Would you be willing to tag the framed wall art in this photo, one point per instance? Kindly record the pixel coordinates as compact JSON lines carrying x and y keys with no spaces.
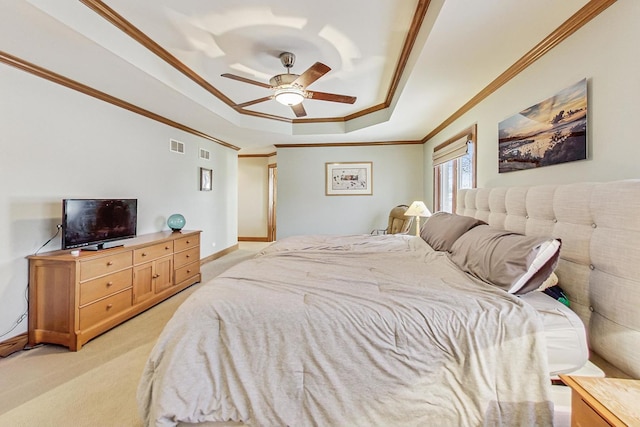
{"x":206,"y":179}
{"x":348,"y":179}
{"x":550,"y":132}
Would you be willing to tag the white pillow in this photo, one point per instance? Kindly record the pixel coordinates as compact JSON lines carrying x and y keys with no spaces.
{"x":547,"y":251}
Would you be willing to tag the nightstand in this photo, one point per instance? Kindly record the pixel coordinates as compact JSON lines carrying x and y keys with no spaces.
{"x":603,"y":402}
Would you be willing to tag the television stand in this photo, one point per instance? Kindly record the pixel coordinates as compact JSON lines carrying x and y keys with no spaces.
{"x":73,"y":299}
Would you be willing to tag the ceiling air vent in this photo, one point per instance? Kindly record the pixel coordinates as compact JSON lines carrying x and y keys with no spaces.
{"x":176,"y":146}
{"x":205,"y":154}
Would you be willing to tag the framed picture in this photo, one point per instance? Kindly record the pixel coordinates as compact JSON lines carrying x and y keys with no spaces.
{"x":550,"y":132}
{"x":348,"y":179}
{"x":206,"y":179}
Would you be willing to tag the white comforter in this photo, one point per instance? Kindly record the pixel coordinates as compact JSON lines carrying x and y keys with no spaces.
{"x":348,"y":331}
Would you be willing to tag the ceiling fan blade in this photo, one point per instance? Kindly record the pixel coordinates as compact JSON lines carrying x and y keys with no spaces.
{"x":323,"y":96}
{"x":299,"y":110}
{"x":312,"y":74}
{"x":255,"y":101}
{"x":245,"y":80}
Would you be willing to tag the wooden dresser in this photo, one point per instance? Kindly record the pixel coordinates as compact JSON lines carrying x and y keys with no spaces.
{"x":603,"y":401}
{"x":73,"y":299}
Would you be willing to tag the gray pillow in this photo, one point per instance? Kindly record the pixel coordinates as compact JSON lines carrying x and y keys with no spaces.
{"x":443,"y":228}
{"x":513,"y":262}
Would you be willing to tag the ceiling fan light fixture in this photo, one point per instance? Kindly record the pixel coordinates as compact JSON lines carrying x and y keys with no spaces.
{"x":290,"y":89}
{"x":289,"y":96}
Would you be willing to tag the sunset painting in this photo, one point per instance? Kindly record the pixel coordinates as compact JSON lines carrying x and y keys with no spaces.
{"x":550,"y":132}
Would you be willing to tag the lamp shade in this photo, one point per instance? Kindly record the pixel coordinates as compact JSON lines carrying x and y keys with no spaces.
{"x":418,"y":208}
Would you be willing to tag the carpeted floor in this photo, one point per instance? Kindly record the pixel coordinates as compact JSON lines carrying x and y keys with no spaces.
{"x":51,"y":386}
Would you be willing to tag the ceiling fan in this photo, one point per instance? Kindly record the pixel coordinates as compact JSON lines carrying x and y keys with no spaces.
{"x":291,"y":89}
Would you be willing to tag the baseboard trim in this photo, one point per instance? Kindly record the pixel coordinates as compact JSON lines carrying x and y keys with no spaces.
{"x":219,"y":254}
{"x":253,"y":239}
{"x":17,"y":343}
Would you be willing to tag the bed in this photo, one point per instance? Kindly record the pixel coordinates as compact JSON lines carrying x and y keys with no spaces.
{"x":599,"y":265}
{"x":387,"y":330}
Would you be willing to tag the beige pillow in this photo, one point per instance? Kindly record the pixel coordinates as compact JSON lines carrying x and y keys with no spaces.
{"x":513,"y":262}
{"x":442,"y":229}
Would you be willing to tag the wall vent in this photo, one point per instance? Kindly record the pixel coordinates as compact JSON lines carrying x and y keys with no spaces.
{"x":176,"y":146}
{"x":205,"y":154}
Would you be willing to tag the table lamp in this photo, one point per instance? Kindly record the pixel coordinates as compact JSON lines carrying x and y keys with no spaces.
{"x":418,"y":209}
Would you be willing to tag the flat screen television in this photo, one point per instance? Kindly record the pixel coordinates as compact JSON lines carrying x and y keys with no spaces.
{"x":91,"y":223}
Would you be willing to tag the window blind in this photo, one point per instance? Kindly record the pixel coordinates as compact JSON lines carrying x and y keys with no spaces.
{"x":457,"y":148}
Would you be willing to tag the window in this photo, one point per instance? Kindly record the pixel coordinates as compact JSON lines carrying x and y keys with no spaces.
{"x":454,"y":167}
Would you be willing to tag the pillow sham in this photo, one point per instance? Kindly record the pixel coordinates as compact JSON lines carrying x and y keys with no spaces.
{"x":513,"y":262}
{"x":442,"y":229}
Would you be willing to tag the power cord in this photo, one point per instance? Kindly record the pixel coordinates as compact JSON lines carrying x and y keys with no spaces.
{"x":24,"y":315}
{"x":58,"y":227}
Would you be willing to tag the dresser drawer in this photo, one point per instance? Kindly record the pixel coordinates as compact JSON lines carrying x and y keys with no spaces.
{"x":152,"y":252}
{"x":187,"y":271}
{"x":105,"y":265}
{"x":105,"y":285}
{"x":99,"y":311}
{"x":187,"y":242}
{"x":186,"y":257}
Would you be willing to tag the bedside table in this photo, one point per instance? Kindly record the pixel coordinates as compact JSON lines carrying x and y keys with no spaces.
{"x":603,"y":401}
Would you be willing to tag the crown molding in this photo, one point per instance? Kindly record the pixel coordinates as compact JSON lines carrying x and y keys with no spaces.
{"x":135,"y":33}
{"x":257,"y":155}
{"x":349,"y":144}
{"x":87,"y":90}
{"x":132,"y":31}
{"x":570,"y":26}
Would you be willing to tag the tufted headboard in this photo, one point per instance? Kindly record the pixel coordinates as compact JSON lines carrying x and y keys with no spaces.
{"x":599,"y":267}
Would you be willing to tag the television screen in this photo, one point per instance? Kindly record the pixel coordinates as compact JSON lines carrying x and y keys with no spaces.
{"x":87,"y":222}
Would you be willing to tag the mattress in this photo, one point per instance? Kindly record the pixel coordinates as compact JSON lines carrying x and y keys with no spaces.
{"x":565,"y":335}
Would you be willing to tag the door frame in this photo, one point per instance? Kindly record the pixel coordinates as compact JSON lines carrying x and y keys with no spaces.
{"x":271,"y":209}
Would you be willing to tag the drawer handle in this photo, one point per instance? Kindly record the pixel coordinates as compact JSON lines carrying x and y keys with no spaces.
{"x":144,"y":254}
{"x":109,"y":306}
{"x":166,"y":248}
{"x":188,"y":241}
{"x":109,"y":284}
{"x":188,"y":271}
{"x":109,"y":263}
{"x":155,"y":276}
{"x":188,"y":256}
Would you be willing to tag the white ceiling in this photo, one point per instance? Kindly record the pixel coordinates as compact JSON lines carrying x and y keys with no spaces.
{"x":461,"y":47}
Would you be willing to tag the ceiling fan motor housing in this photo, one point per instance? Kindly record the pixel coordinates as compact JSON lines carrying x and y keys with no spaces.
{"x":287,"y":59}
{"x":283,"y":79}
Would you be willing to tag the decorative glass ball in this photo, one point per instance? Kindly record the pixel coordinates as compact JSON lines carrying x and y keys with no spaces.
{"x":176,"y":222}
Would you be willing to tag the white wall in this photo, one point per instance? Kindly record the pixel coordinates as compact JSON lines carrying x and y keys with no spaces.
{"x":253,"y":196}
{"x":606,"y":52}
{"x":303,"y":207}
{"x":58,"y":143}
